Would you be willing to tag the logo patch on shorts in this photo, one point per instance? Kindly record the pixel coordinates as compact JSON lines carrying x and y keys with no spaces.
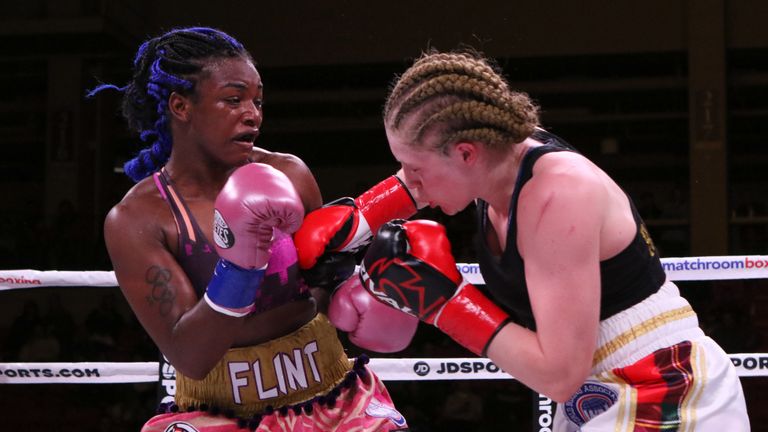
{"x":180,"y":427}
{"x":222,"y":235}
{"x":379,"y":410}
{"x":591,"y":400}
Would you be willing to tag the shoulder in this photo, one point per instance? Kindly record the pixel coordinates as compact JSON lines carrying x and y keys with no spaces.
{"x":564,"y":185}
{"x":563,"y":174}
{"x":296,"y":170}
{"x":561,"y":213}
{"x":141,"y":212}
{"x":288,"y":163}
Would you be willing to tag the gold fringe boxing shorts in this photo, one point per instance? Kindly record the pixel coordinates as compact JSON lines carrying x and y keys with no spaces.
{"x":299,"y":382}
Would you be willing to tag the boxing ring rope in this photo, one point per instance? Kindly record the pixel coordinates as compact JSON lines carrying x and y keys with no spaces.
{"x":389,"y":369}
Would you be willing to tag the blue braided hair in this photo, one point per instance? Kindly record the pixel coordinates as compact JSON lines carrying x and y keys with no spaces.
{"x":168,"y":63}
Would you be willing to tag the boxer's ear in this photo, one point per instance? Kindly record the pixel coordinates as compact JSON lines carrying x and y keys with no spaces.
{"x":467,"y":152}
{"x":179,"y":106}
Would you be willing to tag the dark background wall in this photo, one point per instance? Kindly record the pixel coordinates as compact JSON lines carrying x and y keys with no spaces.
{"x":669,"y":97}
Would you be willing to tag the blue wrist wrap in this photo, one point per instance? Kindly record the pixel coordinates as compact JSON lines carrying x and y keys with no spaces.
{"x":233,"y":287}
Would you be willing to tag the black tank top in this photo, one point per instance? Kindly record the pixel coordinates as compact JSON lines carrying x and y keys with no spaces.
{"x":626,"y":279}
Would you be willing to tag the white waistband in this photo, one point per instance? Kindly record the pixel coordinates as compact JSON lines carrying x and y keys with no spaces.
{"x":663,"y":319}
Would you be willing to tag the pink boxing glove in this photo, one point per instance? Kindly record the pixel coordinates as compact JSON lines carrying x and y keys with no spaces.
{"x":370,"y":323}
{"x":256,"y":200}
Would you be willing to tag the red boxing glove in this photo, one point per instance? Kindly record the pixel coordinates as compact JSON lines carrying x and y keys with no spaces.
{"x":370,"y":324}
{"x":409,"y":266}
{"x":331,"y":234}
{"x":256,"y":199}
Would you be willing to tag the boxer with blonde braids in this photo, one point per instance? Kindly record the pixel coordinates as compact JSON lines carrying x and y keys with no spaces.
{"x":576,"y":304}
{"x":203,"y":251}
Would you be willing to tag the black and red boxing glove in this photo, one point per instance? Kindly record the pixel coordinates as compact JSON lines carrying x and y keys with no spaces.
{"x":330,"y":236}
{"x":409,"y":266}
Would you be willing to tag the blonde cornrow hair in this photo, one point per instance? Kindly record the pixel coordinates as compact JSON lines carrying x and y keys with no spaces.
{"x":464,"y":97}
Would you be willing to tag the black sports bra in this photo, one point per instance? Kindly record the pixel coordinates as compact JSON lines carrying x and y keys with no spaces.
{"x":198,"y":258}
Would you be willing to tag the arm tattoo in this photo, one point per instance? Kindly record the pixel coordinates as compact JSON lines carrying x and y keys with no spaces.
{"x":161,"y":291}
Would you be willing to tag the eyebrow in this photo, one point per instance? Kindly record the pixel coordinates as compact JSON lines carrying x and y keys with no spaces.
{"x":240,"y":85}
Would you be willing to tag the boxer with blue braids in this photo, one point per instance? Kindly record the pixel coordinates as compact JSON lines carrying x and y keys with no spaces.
{"x":203,"y":251}
{"x":155,"y":77}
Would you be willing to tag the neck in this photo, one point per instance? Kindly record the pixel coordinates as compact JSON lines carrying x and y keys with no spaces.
{"x":190,"y":167}
{"x":197,"y":177}
{"x":501,"y":177}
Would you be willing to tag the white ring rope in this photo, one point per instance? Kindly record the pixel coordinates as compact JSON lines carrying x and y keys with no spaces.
{"x":388,"y":369}
{"x":12,"y":279}
{"x":677,"y":269}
